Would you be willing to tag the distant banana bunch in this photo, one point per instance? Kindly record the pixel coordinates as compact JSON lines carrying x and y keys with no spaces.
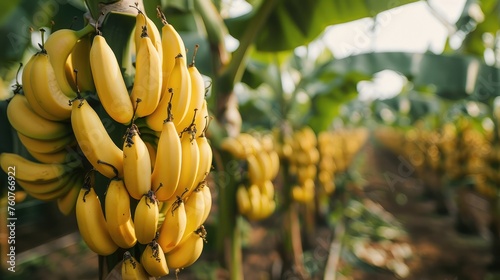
{"x":301,"y":151}
{"x":255,"y":195}
{"x":157,"y":194}
{"x":487,"y":179}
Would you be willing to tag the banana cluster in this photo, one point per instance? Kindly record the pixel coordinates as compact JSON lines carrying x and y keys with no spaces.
{"x":301,"y":151}
{"x":157,"y":197}
{"x":255,"y":196}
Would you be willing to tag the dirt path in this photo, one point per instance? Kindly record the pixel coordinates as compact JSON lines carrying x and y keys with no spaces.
{"x":440,"y":252}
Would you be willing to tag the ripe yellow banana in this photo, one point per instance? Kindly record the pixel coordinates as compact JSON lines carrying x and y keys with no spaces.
{"x":80,"y":61}
{"x":67,"y":202}
{"x":255,"y":198}
{"x":178,"y":93}
{"x":109,"y":82}
{"x":267,"y":189}
{"x":59,"y":46}
{"x":195,"y":210}
{"x":146,"y":218}
{"x":207,"y":195}
{"x":118,"y":216}
{"x":206,"y":155}
{"x":136,"y":164}
{"x":234,"y":147}
{"x":28,"y":92}
{"x":197,"y":97}
{"x":255,"y":170}
{"x":173,"y":227}
{"x":94,"y":140}
{"x":172,"y":45}
{"x":55,"y":157}
{"x":55,"y":194}
{"x":190,"y":154}
{"x":153,"y":32}
{"x":30,"y":171}
{"x":47,"y":146}
{"x":265,"y":163}
{"x":132,"y":269}
{"x":45,"y":187}
{"x":243,"y":200}
{"x":187,"y":252}
{"x":91,"y":221}
{"x":147,"y":81}
{"x":275,"y":163}
{"x":153,"y":260}
{"x":167,"y":167}
{"x":29,"y":123}
{"x":46,"y":90}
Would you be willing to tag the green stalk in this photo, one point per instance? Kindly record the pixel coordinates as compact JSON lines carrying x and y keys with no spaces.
{"x":229,"y":233}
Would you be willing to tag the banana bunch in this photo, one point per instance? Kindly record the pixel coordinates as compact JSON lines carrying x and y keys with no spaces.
{"x":255,"y":195}
{"x":157,"y":197}
{"x":303,"y":156}
{"x":327,"y":146}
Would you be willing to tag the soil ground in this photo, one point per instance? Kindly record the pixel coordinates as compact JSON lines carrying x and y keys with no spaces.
{"x":439,"y":251}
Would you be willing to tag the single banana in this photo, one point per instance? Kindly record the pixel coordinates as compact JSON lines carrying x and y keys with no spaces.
{"x":94,"y":140}
{"x":153,"y":32}
{"x":178,"y":84}
{"x":109,"y":82}
{"x":167,"y":167}
{"x":30,"y":171}
{"x":59,"y":46}
{"x":147,"y":81}
{"x":197,"y":97}
{"x":255,"y":198}
{"x":80,"y":61}
{"x":255,"y":172}
{"x":172,"y":45}
{"x":55,"y":157}
{"x":187,"y":252}
{"x":152,"y":153}
{"x":265,"y":163}
{"x":208,"y":201}
{"x":91,"y":221}
{"x":173,"y":227}
{"x":153,"y":260}
{"x":189,"y":164}
{"x":136,"y":164}
{"x":118,"y":216}
{"x":66,"y":203}
{"x":28,"y":92}
{"x":53,"y":195}
{"x":195,"y":210}
{"x":267,"y":189}
{"x":275,"y":163}
{"x":24,"y":120}
{"x":46,"y":90}
{"x":243,"y":200}
{"x":146,"y":218}
{"x":234,"y":147}
{"x":206,"y":155}
{"x":132,"y":269}
{"x":45,"y":187}
{"x":47,"y":146}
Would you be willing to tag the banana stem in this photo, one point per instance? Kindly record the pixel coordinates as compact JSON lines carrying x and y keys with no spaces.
{"x":229,"y":232}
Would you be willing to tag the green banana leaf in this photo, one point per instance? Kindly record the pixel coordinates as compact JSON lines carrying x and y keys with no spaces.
{"x":473,"y":42}
{"x":296,"y":22}
{"x":453,"y":77}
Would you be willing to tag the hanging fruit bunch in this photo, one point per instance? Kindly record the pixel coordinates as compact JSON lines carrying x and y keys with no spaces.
{"x":258,"y":158}
{"x":300,"y":150}
{"x":156,"y":193}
